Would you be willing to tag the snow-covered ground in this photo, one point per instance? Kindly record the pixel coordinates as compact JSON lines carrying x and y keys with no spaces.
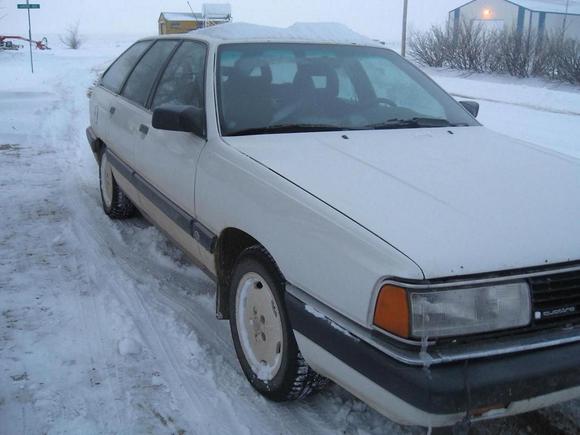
{"x":546,"y":113}
{"x":105,"y":327}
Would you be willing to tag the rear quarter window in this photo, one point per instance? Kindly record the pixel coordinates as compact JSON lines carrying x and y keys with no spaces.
{"x":115,"y":76}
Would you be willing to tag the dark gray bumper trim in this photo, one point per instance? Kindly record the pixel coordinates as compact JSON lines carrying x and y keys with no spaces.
{"x":445,"y":388}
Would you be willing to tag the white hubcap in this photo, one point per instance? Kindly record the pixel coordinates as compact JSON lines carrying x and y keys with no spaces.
{"x":259,"y":326}
{"x":106,"y":181}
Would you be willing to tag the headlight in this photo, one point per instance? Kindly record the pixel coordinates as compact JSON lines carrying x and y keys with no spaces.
{"x":452,"y":312}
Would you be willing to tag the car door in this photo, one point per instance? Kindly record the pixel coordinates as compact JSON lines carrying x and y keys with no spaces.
{"x":167,"y":160}
{"x":109,"y":120}
{"x":132,"y":115}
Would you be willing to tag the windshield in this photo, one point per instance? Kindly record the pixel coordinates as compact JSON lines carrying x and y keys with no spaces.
{"x":282,"y":88}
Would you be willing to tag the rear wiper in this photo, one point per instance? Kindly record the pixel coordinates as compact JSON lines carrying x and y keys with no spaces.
{"x":287,"y":128}
{"x":411,"y":123}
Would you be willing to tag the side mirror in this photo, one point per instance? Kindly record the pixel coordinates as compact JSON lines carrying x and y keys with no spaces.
{"x":471,"y":106}
{"x":179,"y":118}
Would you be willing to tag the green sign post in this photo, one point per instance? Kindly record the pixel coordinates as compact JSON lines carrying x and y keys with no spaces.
{"x":29,"y":6}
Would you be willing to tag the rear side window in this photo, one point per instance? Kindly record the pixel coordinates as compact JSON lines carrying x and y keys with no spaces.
{"x":183,"y":80}
{"x":115,"y":76}
{"x":141,"y":79}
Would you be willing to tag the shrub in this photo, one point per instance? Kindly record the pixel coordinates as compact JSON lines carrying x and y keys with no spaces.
{"x":431,"y":47}
{"x":559,"y":59}
{"x":471,"y":47}
{"x":72,"y":38}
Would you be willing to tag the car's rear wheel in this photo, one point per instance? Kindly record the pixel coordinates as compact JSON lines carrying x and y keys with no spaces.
{"x":115,"y":203}
{"x":262,"y":335}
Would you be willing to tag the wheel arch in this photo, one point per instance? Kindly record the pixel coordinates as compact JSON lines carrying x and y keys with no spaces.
{"x":231,"y":243}
{"x":97,"y":145}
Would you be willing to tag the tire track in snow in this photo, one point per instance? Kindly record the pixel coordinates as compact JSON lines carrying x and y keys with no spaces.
{"x":90,"y":312}
{"x":93,"y":314}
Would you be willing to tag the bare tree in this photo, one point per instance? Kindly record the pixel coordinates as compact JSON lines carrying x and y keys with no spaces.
{"x":71,"y":38}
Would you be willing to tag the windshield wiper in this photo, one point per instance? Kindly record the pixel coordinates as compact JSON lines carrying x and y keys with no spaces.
{"x":410,"y":123}
{"x":287,"y":128}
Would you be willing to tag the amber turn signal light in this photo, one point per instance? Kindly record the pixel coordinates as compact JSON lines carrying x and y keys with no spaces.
{"x":392,"y":310}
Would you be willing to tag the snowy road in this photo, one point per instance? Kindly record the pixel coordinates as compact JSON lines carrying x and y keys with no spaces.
{"x":106,"y":328}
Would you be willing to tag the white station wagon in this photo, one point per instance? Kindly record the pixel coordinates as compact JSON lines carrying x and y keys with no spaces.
{"x":360,"y":224}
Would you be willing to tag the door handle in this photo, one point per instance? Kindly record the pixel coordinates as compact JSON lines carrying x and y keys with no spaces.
{"x":143,"y":129}
{"x":112,"y":110}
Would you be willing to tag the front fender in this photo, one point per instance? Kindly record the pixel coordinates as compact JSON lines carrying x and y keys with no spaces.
{"x":317,"y":248}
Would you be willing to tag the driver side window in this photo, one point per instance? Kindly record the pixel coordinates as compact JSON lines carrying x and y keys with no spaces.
{"x":391,"y":83}
{"x":183,"y":81}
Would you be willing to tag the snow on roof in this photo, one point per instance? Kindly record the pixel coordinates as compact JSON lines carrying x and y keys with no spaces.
{"x":316,"y":32}
{"x":181,"y":16}
{"x":554,"y":6}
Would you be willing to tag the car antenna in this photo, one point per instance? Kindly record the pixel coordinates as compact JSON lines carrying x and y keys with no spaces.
{"x":190,"y":8}
{"x":193,"y":13}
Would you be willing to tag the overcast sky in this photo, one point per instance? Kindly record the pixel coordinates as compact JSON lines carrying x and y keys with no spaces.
{"x":376,"y":18}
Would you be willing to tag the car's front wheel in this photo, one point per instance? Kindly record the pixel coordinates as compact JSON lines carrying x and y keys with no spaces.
{"x":115,"y":203}
{"x":262,"y":335}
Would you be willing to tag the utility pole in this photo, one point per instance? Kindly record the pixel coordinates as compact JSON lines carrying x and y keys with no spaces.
{"x":404,"y":36}
{"x":29,"y":6}
{"x":29,"y":36}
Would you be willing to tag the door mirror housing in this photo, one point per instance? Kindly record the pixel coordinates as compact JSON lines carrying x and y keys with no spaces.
{"x":179,"y":118}
{"x":471,"y":106}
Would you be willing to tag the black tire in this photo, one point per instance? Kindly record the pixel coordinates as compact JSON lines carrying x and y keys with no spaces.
{"x":118,"y":206}
{"x":294,"y":378}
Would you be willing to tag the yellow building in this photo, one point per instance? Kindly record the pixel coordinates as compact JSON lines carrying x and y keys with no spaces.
{"x":183,"y":22}
{"x":179,"y":22}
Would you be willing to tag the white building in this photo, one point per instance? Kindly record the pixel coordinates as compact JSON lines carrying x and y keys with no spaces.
{"x":543,"y":16}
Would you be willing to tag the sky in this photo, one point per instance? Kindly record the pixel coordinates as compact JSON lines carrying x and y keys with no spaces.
{"x":379,"y":19}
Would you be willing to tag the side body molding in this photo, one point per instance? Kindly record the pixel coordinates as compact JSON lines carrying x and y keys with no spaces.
{"x":187,"y":223}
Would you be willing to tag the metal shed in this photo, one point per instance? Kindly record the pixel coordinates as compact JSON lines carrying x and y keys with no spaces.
{"x":536,"y":15}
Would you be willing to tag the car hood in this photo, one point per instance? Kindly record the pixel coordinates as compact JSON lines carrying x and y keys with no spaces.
{"x":455,"y":200}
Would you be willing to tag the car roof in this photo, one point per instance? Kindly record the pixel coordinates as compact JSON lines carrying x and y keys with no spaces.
{"x":321,"y":33}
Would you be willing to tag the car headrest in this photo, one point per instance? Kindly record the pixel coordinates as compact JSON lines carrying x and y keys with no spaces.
{"x":317,"y":75}
{"x":252,"y":67}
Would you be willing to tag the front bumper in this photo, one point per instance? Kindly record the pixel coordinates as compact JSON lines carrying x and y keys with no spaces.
{"x":442,"y":394}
